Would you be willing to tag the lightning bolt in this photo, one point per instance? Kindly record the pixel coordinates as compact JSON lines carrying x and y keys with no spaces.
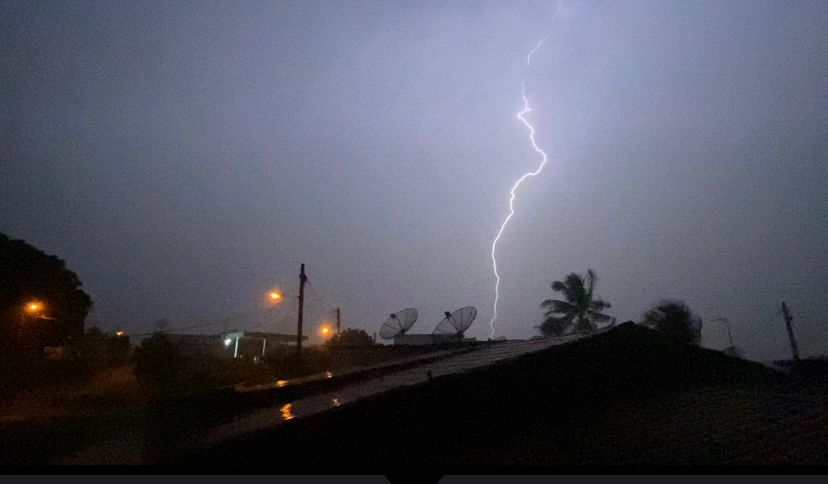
{"x":521,"y":115}
{"x":529,"y":61}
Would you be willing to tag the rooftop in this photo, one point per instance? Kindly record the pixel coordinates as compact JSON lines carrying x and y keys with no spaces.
{"x":626,"y":396}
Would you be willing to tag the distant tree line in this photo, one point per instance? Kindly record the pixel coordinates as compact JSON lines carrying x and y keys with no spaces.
{"x":351,"y":337}
{"x":579,"y":310}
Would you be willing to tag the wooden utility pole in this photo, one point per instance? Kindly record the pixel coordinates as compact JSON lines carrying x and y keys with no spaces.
{"x":302,"y":280}
{"x":338,"y":322}
{"x":788,"y":319}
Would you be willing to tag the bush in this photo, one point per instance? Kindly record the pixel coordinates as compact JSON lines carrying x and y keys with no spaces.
{"x":158,"y":363}
{"x":21,"y":373}
{"x":100,"y":350}
{"x":351,"y":337}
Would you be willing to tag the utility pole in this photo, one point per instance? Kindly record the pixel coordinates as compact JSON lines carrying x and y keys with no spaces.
{"x":338,"y":322}
{"x":788,"y":319}
{"x":302,"y":280}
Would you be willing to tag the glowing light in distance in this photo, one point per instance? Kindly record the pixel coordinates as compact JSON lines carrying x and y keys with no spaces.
{"x":227,"y":341}
{"x":119,"y":333}
{"x":274,"y":295}
{"x":326,"y":330}
{"x":34,"y":307}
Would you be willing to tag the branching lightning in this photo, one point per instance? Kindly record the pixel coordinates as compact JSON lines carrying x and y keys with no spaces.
{"x":521,"y":115}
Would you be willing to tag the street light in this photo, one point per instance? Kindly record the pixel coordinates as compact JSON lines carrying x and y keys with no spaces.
{"x":326,"y":330}
{"x":274,"y":296}
{"x":33,"y":307}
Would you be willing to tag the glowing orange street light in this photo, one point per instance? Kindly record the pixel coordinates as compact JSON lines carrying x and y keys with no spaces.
{"x":275,"y":296}
{"x":34,"y":307}
{"x":326,"y":330}
{"x":119,"y":333}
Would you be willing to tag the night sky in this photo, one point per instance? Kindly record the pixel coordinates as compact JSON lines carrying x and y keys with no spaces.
{"x":185,"y":157}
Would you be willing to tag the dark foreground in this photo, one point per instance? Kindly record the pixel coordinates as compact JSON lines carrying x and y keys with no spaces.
{"x":627,"y":396}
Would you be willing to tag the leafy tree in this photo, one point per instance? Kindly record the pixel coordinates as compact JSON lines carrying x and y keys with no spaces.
{"x":352,"y":337}
{"x":674,"y":319}
{"x":578,"y":310}
{"x":28,"y":274}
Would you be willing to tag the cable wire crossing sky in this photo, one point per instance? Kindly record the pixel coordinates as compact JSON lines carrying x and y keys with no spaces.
{"x":521,"y":115}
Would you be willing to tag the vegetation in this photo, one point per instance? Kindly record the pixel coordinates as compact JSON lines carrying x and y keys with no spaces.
{"x":674,"y":319}
{"x":59,"y":306}
{"x":101,"y":350}
{"x":158,"y":363}
{"x":352,"y":337}
{"x":579,"y":310}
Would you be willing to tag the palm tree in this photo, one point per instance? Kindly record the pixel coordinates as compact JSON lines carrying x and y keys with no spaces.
{"x":578,"y":307}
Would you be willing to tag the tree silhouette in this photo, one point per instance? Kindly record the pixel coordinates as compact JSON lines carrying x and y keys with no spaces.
{"x":674,"y":319}
{"x":578,"y":310}
{"x":351,"y":337}
{"x":28,"y":275}
{"x":161,"y":324}
{"x":158,"y":362}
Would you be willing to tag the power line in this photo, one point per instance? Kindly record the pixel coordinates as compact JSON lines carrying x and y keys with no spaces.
{"x":322,"y":301}
{"x":315,"y":294}
{"x":761,"y":327}
{"x":285,"y":309}
{"x":284,"y":321}
{"x":184,"y":328}
{"x":324,"y":292}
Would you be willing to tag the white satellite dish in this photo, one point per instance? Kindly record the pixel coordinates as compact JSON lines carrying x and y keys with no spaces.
{"x":398,"y":323}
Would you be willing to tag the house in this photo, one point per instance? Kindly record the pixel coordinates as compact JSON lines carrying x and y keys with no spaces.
{"x":237,"y":344}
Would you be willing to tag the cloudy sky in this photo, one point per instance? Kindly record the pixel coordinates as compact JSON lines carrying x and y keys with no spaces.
{"x":186,"y":157}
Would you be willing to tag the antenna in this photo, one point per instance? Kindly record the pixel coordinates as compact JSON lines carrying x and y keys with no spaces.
{"x":788,"y":319}
{"x":458,"y":322}
{"x":727,"y":324}
{"x":398,"y":323}
{"x":731,"y":350}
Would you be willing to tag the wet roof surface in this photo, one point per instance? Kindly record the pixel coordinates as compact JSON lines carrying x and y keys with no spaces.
{"x":452,"y":363}
{"x":626,"y":397}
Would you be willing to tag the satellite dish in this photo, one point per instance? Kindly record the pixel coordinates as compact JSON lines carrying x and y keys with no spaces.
{"x":398,"y":323}
{"x":457,"y":322}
